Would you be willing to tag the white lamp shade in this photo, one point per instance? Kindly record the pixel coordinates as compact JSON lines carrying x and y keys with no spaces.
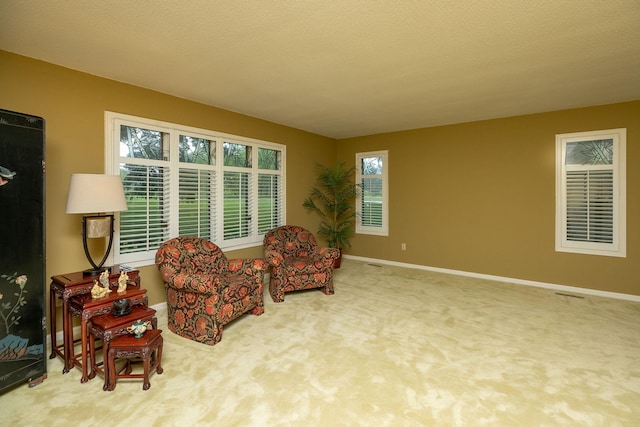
{"x":93,"y":193}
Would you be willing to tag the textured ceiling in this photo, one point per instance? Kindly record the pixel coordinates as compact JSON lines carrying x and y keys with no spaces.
{"x":343,"y":68}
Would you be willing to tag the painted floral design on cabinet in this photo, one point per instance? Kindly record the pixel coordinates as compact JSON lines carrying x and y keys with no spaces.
{"x":22,"y":250}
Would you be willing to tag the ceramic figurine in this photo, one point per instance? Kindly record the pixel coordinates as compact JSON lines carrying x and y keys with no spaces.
{"x":138,"y":328}
{"x":122,"y":282}
{"x":98,"y":291}
{"x":104,"y":279}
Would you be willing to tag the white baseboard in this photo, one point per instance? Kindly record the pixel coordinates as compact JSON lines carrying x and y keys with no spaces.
{"x":563,"y":288}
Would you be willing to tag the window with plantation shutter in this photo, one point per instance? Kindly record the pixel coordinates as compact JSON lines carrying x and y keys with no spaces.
{"x":237,"y":191}
{"x":590,"y":180}
{"x":182,"y":181}
{"x":196,"y":187}
{"x":372,"y":209}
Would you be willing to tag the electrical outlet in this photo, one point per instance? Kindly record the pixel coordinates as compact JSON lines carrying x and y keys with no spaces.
{"x":403,"y":247}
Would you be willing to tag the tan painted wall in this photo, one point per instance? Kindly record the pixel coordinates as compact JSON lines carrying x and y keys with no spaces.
{"x":475,"y":197}
{"x":73,"y":105}
{"x":480,"y":197}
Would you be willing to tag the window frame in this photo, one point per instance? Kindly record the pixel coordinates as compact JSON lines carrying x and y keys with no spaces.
{"x":113,"y":160}
{"x":617,"y":248}
{"x":383,"y":230}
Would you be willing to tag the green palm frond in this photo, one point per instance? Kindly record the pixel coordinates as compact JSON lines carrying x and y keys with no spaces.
{"x":333,"y":199}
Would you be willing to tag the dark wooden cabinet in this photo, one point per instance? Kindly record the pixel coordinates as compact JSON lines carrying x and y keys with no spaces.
{"x":22,"y":250}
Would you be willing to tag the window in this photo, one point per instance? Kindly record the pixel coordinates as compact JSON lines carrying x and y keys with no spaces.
{"x":591,"y":195}
{"x":372,"y":207}
{"x":182,"y":181}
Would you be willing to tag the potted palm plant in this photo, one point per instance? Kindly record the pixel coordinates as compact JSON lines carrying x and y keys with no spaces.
{"x":333,"y":199}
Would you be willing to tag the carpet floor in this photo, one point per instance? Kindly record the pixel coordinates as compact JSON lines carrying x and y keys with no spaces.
{"x":393,"y":347}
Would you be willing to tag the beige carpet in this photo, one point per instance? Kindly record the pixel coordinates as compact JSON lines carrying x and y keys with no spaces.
{"x":392,"y":347}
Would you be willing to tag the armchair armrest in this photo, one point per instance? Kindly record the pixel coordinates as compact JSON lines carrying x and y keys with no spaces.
{"x":329,"y":255}
{"x":273,"y":258}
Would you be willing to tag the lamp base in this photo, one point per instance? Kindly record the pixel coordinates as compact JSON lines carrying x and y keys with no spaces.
{"x":95,"y":271}
{"x":94,"y":226}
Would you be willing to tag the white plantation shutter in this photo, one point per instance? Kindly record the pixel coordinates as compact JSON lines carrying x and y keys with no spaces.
{"x":269,"y":202}
{"x":196,"y":214}
{"x":591,"y":195}
{"x":371,"y":202}
{"x":590,"y":206}
{"x":144,"y":225}
{"x":237,"y":213}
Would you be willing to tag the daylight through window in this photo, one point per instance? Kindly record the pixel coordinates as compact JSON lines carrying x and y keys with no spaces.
{"x":182,"y":181}
{"x":372,"y":206}
{"x":591,"y":192}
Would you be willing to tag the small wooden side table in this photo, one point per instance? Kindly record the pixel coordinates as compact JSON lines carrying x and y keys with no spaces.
{"x":86,"y":307}
{"x":108,"y":327}
{"x":129,"y":347}
{"x":65,"y":286}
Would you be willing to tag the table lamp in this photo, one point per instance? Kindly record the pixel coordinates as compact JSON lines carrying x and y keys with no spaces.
{"x":96,"y":194}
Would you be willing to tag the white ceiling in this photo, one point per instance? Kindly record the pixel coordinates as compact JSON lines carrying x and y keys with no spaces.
{"x":344,"y":68}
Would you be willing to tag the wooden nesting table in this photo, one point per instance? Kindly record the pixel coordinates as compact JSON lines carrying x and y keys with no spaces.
{"x":67,"y":286}
{"x":86,"y":307}
{"x":128,"y":347}
{"x":108,"y":327}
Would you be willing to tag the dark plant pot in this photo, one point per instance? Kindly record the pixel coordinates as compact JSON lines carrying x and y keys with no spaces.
{"x":338,"y":261}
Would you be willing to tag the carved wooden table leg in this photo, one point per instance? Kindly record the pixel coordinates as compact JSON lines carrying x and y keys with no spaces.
{"x":148,"y":348}
{"x":108,"y":327}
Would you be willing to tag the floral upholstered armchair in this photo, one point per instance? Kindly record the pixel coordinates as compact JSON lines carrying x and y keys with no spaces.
{"x":205,"y":290}
{"x":297,"y":262}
